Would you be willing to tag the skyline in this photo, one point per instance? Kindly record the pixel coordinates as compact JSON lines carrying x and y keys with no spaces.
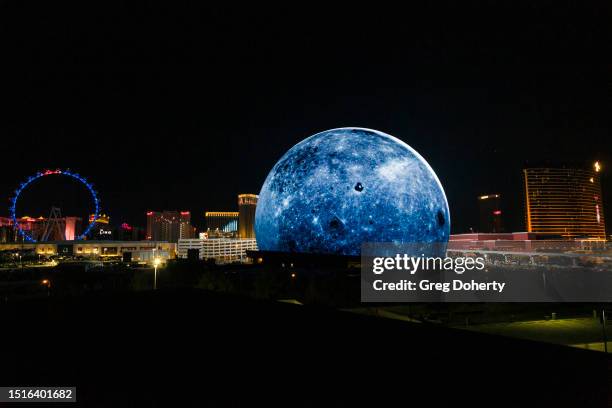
{"x":199,"y":222}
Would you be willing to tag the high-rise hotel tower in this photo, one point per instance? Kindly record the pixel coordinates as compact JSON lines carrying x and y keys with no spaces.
{"x":565,"y":202}
{"x":247,"y":203}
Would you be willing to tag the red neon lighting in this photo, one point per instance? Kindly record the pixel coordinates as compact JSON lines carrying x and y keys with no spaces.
{"x":150,"y":213}
{"x":126,"y":226}
{"x":497,"y":212}
{"x":185,"y":213}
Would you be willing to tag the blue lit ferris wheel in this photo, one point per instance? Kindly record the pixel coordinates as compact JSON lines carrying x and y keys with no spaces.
{"x":28,"y":237}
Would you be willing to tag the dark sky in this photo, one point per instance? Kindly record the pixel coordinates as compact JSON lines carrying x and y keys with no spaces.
{"x":165,"y":106}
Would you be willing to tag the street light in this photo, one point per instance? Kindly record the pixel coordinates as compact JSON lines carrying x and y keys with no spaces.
{"x":47,"y":283}
{"x":156,"y":263}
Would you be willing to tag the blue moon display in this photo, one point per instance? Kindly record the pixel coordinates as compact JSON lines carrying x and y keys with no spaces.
{"x":340,"y":188}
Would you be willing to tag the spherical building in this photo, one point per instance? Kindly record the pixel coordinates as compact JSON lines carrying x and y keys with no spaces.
{"x":343,"y":187}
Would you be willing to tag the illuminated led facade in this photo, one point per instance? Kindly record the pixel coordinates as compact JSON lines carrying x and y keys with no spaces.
{"x":247,"y":204}
{"x":221,"y":223}
{"x":565,"y":202}
{"x":489,"y":207}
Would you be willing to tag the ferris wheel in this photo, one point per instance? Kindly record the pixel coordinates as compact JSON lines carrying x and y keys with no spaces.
{"x":27,"y":236}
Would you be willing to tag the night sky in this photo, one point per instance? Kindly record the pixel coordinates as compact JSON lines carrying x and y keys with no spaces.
{"x":164,"y":106}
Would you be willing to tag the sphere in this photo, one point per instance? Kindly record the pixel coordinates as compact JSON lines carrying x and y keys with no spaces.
{"x":343,"y":187}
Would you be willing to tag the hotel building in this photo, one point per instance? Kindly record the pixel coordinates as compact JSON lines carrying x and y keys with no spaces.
{"x":565,"y":202}
{"x":221,"y":223}
{"x":222,"y":250}
{"x":169,"y":226}
{"x":247,"y":204}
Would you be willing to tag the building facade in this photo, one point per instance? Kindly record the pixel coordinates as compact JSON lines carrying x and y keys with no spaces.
{"x":59,"y":229}
{"x":222,"y":250}
{"x":565,"y":202}
{"x":154,"y":225}
{"x":140,"y":251}
{"x":489,"y":207}
{"x":169,"y":225}
{"x":221,"y":224}
{"x":247,"y":204}
{"x":521,"y":242}
{"x":7,"y":231}
{"x":186,"y":230}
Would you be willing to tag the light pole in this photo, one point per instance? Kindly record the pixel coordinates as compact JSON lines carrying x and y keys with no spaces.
{"x":47,"y":284}
{"x":603,"y":326}
{"x":156,"y":263}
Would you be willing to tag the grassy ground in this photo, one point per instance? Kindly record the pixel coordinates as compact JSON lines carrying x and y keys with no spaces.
{"x":581,"y":332}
